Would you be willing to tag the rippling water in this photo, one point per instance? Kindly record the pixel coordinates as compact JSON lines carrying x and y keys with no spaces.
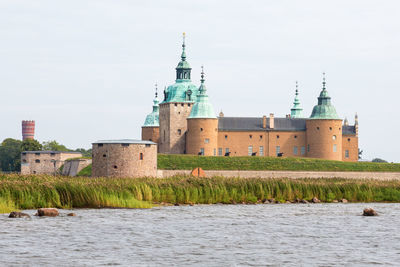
{"x":213,"y":235}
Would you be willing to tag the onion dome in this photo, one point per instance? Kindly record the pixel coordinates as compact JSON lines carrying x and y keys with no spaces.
{"x":152,"y":120}
{"x":202,"y":108}
{"x":296,"y":111}
{"x":182,"y":90}
{"x":324,"y":109}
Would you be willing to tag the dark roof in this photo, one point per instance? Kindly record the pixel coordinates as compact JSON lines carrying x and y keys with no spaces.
{"x":50,"y":152}
{"x":255,"y":124}
{"x":348,"y":130}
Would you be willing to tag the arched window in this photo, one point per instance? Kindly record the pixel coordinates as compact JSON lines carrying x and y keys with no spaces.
{"x":185,"y":75}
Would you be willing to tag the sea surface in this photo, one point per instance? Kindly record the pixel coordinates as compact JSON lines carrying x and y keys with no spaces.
{"x":206,"y":235}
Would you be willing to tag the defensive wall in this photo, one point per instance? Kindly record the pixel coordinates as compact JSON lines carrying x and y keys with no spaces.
{"x":74,"y":166}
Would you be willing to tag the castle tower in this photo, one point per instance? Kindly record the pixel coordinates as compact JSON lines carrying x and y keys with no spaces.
{"x":324,"y":129}
{"x":202,"y":134}
{"x":28,"y":130}
{"x":296,"y":111}
{"x":151,"y":126}
{"x":175,"y":108}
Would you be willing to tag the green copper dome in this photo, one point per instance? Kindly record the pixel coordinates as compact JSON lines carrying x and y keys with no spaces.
{"x":202,"y":108}
{"x":182,"y":90}
{"x":296,"y":111}
{"x":324,"y":109}
{"x":152,"y":120}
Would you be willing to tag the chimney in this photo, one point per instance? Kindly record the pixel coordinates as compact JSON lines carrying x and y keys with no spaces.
{"x":221,"y":114}
{"x":271,"y":121}
{"x":287,"y":116}
{"x":265,"y":122}
{"x":356,"y":124}
{"x":28,"y":130}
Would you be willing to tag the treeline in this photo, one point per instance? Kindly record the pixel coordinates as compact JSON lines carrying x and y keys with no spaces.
{"x":10,"y":151}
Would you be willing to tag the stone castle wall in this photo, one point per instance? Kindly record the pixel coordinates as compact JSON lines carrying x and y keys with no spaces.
{"x":74,"y":166}
{"x":151,"y":133}
{"x":202,"y":134}
{"x":44,"y":162}
{"x":124,"y":160}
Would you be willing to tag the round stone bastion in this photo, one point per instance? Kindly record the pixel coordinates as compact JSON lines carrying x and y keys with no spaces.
{"x":124,"y":158}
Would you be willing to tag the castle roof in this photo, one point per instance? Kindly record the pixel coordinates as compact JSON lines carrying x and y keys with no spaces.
{"x":296,"y":111}
{"x":152,"y":119}
{"x":324,"y":109}
{"x":256,"y":124}
{"x":348,"y":130}
{"x":125,"y":141}
{"x":202,"y":108}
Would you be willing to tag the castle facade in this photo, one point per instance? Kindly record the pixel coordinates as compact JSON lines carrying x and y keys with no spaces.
{"x":185,"y":123}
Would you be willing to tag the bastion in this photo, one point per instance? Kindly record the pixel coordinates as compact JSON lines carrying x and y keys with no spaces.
{"x":124,"y":158}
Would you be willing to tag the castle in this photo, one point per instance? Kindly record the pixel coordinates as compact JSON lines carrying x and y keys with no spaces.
{"x":185,"y":123}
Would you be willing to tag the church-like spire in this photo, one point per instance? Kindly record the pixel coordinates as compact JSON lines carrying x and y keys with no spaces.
{"x":183,"y":69}
{"x":296,"y":111}
{"x":202,"y":108}
{"x":152,"y":119}
{"x":202,"y":89}
{"x":324,"y":109}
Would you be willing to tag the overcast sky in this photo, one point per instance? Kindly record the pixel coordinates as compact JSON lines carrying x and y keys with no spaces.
{"x":85,"y":70}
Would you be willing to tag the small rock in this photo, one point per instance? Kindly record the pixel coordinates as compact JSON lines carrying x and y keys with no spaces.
{"x":370,"y":212}
{"x":297,"y":200}
{"x":271,"y":200}
{"x":343,"y":200}
{"x":191,"y":204}
{"x":176,"y":204}
{"x":71,"y":214}
{"x":303,"y":201}
{"x":17,"y":214}
{"x":51,"y":212}
{"x":335,"y":201}
{"x":288,"y":202}
{"x":233,"y":202}
{"x":315,"y":200}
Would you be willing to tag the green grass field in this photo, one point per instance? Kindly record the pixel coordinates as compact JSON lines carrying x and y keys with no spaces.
{"x":34,"y":191}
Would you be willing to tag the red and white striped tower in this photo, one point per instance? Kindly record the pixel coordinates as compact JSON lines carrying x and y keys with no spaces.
{"x":28,"y":130}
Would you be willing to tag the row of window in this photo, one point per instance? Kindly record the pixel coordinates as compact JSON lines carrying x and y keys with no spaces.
{"x":330,"y":128}
{"x":182,"y":104}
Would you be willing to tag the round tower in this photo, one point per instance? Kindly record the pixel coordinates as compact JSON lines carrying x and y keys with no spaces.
{"x":151,"y":126}
{"x":28,"y":130}
{"x":324,"y":129}
{"x":202,"y":134}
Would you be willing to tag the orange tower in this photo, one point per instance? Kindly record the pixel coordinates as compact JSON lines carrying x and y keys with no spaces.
{"x":28,"y":130}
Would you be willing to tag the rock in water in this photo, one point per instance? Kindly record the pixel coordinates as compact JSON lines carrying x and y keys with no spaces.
{"x":315,"y":200}
{"x":343,"y":200}
{"x":51,"y":212}
{"x":17,"y":214}
{"x":303,"y":201}
{"x":71,"y":214}
{"x":370,"y":212}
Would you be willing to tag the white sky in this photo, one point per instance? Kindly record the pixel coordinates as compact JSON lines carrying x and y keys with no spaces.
{"x":85,"y":70}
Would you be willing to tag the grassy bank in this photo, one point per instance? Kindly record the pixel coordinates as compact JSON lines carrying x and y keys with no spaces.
{"x":189,"y":162}
{"x":28,"y":192}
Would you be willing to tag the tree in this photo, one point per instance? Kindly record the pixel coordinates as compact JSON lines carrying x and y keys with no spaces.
{"x":85,"y":152}
{"x":378,"y":160}
{"x":31,"y":145}
{"x":54,"y":146}
{"x":10,"y":155}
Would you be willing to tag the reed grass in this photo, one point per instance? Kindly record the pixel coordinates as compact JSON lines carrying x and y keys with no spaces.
{"x":34,"y":191}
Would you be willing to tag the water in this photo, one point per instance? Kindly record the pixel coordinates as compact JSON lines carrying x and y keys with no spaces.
{"x":206,"y":235}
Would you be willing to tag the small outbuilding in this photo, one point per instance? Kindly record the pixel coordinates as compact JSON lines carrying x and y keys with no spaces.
{"x":45,"y":162}
{"x":124,"y":158}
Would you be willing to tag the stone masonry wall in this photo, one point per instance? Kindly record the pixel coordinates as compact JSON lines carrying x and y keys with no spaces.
{"x":44,"y":162}
{"x":202,"y":133}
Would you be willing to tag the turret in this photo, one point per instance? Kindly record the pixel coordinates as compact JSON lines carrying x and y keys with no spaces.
{"x":28,"y":130}
{"x":296,"y":111}
{"x":151,"y":126}
{"x":324,"y":129}
{"x":202,"y":134}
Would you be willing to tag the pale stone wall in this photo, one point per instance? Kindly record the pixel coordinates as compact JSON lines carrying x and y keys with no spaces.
{"x":124,"y":160}
{"x":173,"y":127}
{"x":44,"y":162}
{"x":202,"y":133}
{"x":320,"y":139}
{"x":287,"y":174}
{"x":73,"y":167}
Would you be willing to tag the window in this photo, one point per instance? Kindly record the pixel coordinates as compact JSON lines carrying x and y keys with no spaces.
{"x":278,"y":150}
{"x":37,"y":160}
{"x":164,"y":135}
{"x":346,"y":154}
{"x":334,"y":148}
{"x":260,"y":136}
{"x":104,"y":155}
{"x":147,"y":145}
{"x":141,"y":156}
{"x":201,"y":129}
{"x":277,"y":137}
{"x":215,"y":151}
{"x":115,"y":167}
{"x":330,"y":128}
{"x":206,"y":141}
{"x":261,"y":151}
{"x":220,"y":151}
{"x":52,"y":154}
{"x":303,"y":150}
{"x":179,"y":131}
{"x":23,"y":153}
{"x":24,"y":160}
{"x":189,"y":105}
{"x":250,"y":150}
{"x":295,"y":150}
{"x":185,"y":75}
{"x":182,"y":105}
{"x":317,"y":128}
{"x":176,"y":104}
{"x":227,"y":150}
{"x":334,"y":137}
{"x":295,"y":136}
{"x":125,"y":145}
{"x":348,"y":139}
{"x":37,"y":154}
{"x":250,"y":136}
{"x":99,"y":145}
{"x":202,"y":151}
{"x":226,"y":137}
{"x":308,"y":148}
